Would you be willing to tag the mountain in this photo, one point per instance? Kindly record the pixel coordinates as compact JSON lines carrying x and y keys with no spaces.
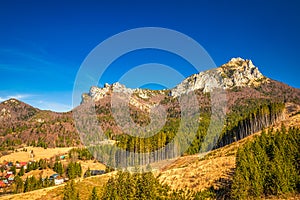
{"x":21,"y":123}
{"x":253,"y":102}
{"x":13,"y":110}
{"x":246,"y":90}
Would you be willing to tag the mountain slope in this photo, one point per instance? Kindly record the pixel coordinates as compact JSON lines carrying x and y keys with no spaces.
{"x":222,"y":158}
{"x":21,"y":123}
{"x":253,"y":102}
{"x":188,"y":172}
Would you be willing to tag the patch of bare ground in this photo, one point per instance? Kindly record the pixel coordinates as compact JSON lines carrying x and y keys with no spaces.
{"x":201,"y":174}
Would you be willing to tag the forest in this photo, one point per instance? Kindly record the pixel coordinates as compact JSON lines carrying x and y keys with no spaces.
{"x":171,"y":141}
{"x":268,"y":165}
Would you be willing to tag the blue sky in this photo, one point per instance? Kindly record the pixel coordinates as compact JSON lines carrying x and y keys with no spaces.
{"x":43,"y":43}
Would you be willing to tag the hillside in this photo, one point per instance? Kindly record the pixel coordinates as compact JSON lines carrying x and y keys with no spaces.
{"x":216,"y":168}
{"x":21,"y":123}
{"x":188,"y":172}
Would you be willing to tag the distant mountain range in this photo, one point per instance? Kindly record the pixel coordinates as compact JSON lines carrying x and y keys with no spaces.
{"x":249,"y":93}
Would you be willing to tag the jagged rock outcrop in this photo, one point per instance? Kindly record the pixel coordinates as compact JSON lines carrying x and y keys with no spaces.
{"x":97,"y":93}
{"x":236,"y":73}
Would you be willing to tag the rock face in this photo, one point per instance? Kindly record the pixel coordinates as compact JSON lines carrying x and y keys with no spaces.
{"x":97,"y":93}
{"x":236,"y":73}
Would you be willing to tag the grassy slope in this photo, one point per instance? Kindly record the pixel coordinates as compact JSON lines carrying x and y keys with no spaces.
{"x":214,"y":169}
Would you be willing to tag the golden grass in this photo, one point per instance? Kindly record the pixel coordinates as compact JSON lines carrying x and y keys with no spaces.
{"x":84,"y":186}
{"x":37,"y":173}
{"x":32,"y":195}
{"x":93,"y":165}
{"x":38,"y":154}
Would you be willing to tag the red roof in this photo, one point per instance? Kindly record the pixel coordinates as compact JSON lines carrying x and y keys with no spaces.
{"x":8,"y":175}
{"x":2,"y":184}
{"x":23,"y":163}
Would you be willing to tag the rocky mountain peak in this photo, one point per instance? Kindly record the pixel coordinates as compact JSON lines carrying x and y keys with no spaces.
{"x":238,"y":72}
{"x":239,"y":64}
{"x":97,"y":93}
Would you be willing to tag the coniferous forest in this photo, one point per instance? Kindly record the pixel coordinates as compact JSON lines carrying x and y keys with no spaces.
{"x":268,"y":165}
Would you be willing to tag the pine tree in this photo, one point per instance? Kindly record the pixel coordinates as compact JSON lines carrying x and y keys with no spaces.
{"x":13,"y":169}
{"x":58,"y":167}
{"x":70,"y":192}
{"x":268,"y":165}
{"x":19,"y":185}
{"x":88,"y":172}
{"x":26,"y":185}
{"x":94,"y":195}
{"x":71,"y":171}
{"x":22,"y":171}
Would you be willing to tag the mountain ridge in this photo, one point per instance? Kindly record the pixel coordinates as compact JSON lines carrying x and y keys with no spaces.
{"x":237,"y":72}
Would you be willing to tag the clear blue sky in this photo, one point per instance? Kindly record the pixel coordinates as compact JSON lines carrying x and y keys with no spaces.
{"x":43,"y":43}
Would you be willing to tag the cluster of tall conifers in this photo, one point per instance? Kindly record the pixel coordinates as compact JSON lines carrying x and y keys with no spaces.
{"x":125,"y":185}
{"x":244,"y":121}
{"x":268,"y":165}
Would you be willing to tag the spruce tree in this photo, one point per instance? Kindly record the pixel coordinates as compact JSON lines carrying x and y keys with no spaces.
{"x":94,"y":195}
{"x":22,"y":171}
{"x":70,"y":192}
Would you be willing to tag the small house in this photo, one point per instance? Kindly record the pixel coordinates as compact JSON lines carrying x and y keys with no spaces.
{"x":21,"y":164}
{"x":8,"y":175}
{"x":94,"y":173}
{"x":11,"y":178}
{"x":97,"y":172}
{"x":53,"y":176}
{"x":58,"y":180}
